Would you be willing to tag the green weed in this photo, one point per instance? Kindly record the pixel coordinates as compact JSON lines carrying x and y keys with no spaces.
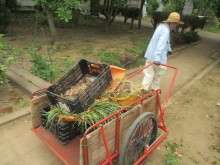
{"x":18,"y":101}
{"x":172,"y":154}
{"x":3,"y":67}
{"x":110,"y":57}
{"x":88,"y":40}
{"x":132,"y":50}
{"x":17,"y":52}
{"x":66,"y":54}
{"x":171,"y":158}
{"x":134,"y":39}
{"x":88,"y":50}
{"x":26,"y":103}
{"x":42,"y":68}
{"x":139,"y":49}
{"x":199,"y":153}
{"x":68,"y":62}
{"x":57,"y":46}
{"x":213,"y":147}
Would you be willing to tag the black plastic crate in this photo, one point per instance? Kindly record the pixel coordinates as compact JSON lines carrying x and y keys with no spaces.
{"x":64,"y":131}
{"x":80,"y":103}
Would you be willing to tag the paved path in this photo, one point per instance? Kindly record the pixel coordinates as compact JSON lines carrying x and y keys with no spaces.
{"x":19,"y":146}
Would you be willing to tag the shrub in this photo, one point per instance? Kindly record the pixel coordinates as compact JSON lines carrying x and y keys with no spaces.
{"x":184,"y":38}
{"x":213,"y":24}
{"x":158,"y":17}
{"x":4,"y":18}
{"x":177,"y":39}
{"x":190,"y":37}
{"x":194,"y":22}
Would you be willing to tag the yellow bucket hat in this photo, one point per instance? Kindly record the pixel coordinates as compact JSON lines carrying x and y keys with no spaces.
{"x":174,"y":17}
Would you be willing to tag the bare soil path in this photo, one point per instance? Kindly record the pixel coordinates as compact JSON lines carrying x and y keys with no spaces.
{"x":194,"y":121}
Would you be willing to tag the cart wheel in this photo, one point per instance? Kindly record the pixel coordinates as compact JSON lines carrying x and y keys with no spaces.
{"x":142,"y":132}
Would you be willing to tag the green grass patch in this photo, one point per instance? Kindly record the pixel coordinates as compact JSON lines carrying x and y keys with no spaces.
{"x":109,"y":57}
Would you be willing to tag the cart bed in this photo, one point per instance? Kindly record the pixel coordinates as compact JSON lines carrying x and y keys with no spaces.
{"x":68,"y":153}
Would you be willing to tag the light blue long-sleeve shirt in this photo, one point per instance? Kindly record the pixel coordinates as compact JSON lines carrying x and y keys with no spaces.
{"x":159,"y":44}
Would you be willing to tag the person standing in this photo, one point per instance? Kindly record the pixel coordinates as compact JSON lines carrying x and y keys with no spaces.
{"x":157,"y":51}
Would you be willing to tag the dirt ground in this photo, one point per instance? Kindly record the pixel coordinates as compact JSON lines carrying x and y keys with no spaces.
{"x":193,"y":121}
{"x":12,"y":100}
{"x":76,"y":42}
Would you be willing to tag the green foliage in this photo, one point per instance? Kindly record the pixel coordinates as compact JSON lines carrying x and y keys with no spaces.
{"x":190,"y":37}
{"x":169,"y":8}
{"x":42,"y":68}
{"x":110,"y":57}
{"x":26,"y":103}
{"x":129,"y":56}
{"x":114,"y":3}
{"x":96,"y":112}
{"x":110,"y":8}
{"x":194,"y":22}
{"x":184,"y":38}
{"x":17,"y":52}
{"x":213,"y":25}
{"x":164,"y":2}
{"x":63,"y":8}
{"x":143,"y":47}
{"x":171,"y":159}
{"x":5,"y":16}
{"x":139,"y":49}
{"x":68,"y":62}
{"x":88,"y":50}
{"x":179,"y":5}
{"x":152,"y":6}
{"x":41,"y":18}
{"x":213,"y":22}
{"x":8,"y":60}
{"x":206,"y":7}
{"x":174,"y":5}
{"x":51,"y":116}
{"x":158,"y":17}
{"x":172,"y":153}
{"x":3,"y":77}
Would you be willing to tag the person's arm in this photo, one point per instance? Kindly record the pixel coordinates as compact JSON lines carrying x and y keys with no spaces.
{"x":161,"y":45}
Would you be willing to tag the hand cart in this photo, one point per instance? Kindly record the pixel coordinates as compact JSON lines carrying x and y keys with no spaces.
{"x":134,"y":132}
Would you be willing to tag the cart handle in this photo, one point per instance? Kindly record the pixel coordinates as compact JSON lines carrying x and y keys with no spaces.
{"x":32,"y":95}
{"x":171,"y":85}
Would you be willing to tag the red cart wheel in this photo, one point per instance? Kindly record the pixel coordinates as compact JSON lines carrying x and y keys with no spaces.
{"x":142,"y":132}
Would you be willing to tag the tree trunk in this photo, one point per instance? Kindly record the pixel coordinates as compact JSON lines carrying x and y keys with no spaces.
{"x":50,"y":21}
{"x":140,"y":14}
